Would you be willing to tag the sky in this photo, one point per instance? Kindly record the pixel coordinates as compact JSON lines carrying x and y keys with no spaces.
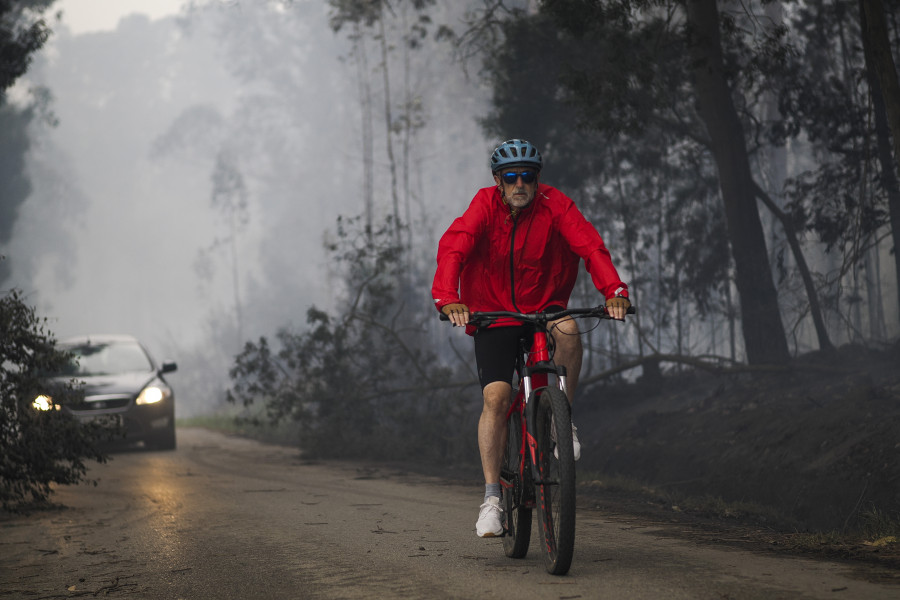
{"x":88,"y":16}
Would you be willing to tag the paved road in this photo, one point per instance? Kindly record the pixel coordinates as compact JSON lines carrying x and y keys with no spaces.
{"x":224,"y":517}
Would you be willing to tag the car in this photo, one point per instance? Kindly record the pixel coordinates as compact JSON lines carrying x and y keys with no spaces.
{"x":120,"y":380}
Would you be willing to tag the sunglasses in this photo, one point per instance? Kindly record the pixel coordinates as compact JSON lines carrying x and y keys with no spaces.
{"x":511,"y":177}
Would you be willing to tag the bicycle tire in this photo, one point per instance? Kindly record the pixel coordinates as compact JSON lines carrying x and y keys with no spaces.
{"x":555,"y":488}
{"x":516,"y":486}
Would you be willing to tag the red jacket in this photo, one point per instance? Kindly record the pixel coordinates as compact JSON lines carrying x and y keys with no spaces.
{"x":488,"y":260}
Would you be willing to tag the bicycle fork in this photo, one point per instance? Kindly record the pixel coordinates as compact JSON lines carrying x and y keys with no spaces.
{"x":530,"y":434}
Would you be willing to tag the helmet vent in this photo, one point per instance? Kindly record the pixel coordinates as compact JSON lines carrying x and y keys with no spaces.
{"x":516,"y":153}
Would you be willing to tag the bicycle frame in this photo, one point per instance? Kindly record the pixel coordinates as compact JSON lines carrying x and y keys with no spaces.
{"x":534,"y":366}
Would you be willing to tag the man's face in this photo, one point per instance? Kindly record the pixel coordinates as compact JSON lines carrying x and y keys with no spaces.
{"x":518,"y":194}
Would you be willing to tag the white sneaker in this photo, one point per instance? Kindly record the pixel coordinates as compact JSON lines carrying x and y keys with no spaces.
{"x":489,"y":522}
{"x":576,"y":445}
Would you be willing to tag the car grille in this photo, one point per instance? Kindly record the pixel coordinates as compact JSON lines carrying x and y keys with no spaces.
{"x":105,"y":402}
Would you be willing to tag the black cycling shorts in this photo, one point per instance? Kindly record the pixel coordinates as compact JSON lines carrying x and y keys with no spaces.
{"x":495,"y":353}
{"x":496,"y":349}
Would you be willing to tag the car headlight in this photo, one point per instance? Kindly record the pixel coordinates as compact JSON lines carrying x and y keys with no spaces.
{"x":153,"y":394}
{"x":43,"y":402}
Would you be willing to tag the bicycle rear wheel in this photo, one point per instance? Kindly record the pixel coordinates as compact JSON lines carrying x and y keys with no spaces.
{"x":556,"y":480}
{"x":516,"y":513}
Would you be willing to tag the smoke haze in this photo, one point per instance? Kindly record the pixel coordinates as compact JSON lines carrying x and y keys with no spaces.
{"x":132,"y":221}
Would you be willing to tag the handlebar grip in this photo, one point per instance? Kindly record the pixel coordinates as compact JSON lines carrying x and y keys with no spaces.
{"x":444,"y":317}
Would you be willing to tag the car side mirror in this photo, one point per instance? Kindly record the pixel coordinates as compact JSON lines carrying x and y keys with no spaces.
{"x":168,"y":366}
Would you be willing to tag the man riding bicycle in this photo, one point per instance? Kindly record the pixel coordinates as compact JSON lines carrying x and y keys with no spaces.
{"x":517,"y":248}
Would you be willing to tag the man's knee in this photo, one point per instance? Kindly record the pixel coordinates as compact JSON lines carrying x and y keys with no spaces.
{"x":566,"y":335}
{"x":497,"y":397}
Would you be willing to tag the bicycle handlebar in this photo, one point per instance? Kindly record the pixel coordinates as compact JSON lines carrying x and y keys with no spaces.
{"x":479,"y":319}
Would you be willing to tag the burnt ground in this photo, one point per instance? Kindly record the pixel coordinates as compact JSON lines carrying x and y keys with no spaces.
{"x":806,"y":459}
{"x":801,"y":461}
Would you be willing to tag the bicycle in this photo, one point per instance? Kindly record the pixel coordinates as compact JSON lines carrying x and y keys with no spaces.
{"x":538,"y":468}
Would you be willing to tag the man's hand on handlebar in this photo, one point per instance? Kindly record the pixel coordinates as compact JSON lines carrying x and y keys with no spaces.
{"x":617,"y":307}
{"x":457,"y":313}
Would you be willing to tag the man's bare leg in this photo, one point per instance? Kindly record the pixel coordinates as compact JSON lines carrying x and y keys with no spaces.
{"x":568,"y":351}
{"x":491,"y":441}
{"x":492,"y":429}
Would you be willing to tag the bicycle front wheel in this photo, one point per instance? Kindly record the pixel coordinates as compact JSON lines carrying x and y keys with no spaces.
{"x":516,"y":492}
{"x":555,"y":485}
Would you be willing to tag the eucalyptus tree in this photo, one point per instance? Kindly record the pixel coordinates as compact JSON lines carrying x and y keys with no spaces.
{"x":692,"y":79}
{"x":275,"y":147}
{"x":23,"y":31}
{"x":380,"y":21}
{"x":881,"y":73}
{"x":625,"y":170}
{"x":832,"y":102}
{"x":663,"y":76}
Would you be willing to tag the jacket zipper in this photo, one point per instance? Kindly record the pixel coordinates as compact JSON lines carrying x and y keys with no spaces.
{"x":512,"y":263}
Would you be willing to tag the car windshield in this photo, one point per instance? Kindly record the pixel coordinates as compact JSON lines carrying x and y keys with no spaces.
{"x":110,"y":358}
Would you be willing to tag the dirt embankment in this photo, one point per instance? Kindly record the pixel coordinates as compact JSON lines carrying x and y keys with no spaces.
{"x":818,"y":445}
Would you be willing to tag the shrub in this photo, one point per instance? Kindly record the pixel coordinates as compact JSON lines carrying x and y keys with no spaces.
{"x":362,"y":380}
{"x":37,"y":448}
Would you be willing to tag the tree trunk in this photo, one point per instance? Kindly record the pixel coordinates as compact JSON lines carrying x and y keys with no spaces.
{"x":365,"y":105}
{"x":793,"y":240}
{"x":764,"y":336}
{"x":882,"y":77}
{"x":732,"y":333}
{"x":774,"y":162}
{"x":389,"y":128}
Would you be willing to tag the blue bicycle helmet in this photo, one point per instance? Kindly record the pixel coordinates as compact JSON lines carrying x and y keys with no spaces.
{"x":515,"y":153}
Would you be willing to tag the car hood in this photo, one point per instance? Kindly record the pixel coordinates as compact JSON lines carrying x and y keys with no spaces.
{"x":123,"y":383}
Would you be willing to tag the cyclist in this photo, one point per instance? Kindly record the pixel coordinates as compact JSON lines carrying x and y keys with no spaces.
{"x":517,"y":248}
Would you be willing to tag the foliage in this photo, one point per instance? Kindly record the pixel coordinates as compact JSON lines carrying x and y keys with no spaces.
{"x":361,"y":380}
{"x":598,"y":110}
{"x":369,"y":12}
{"x":823,"y":94}
{"x":37,"y":448}
{"x":614,"y":103}
{"x":22,"y":33}
{"x":14,"y":183}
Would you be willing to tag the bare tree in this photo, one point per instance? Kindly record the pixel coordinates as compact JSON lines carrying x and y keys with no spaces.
{"x":761,"y":320}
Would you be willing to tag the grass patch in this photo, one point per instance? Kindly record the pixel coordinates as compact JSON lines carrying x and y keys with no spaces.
{"x":880,"y":525}
{"x":875,"y":529}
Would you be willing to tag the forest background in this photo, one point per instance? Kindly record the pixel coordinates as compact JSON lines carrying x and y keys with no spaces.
{"x":256,"y":189}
